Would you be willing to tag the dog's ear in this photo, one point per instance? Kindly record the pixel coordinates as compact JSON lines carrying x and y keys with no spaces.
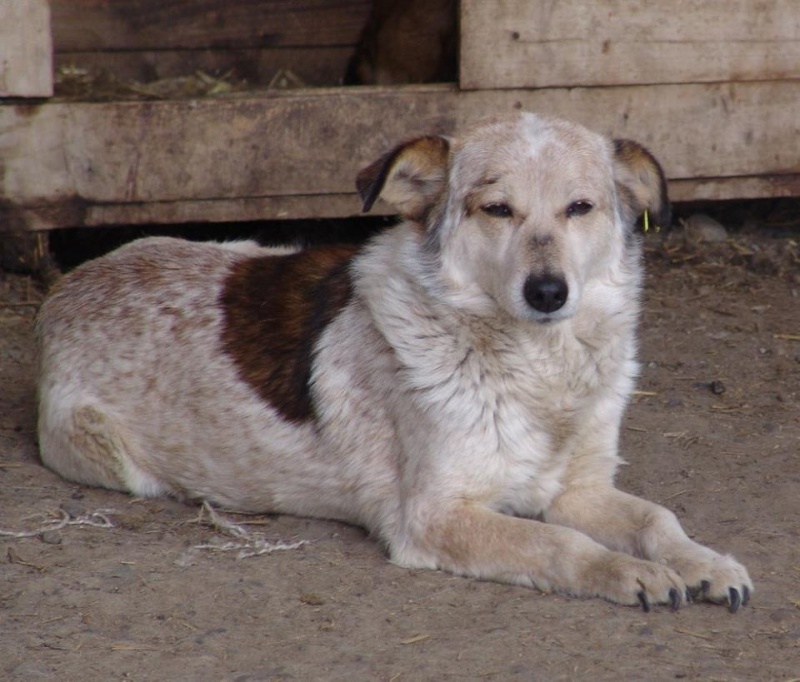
{"x":412,"y":177}
{"x":641,"y":184}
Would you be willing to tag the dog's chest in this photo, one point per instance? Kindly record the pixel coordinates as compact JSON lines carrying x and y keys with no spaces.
{"x":493,"y":405}
{"x":517,"y":407}
{"x":511,"y":382}
{"x":538,"y":395}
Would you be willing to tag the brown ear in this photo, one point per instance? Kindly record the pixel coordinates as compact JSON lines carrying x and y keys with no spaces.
{"x":412,"y":177}
{"x":641,"y":184}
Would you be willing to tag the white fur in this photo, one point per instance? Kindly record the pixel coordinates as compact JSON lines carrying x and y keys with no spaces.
{"x":465,"y":429}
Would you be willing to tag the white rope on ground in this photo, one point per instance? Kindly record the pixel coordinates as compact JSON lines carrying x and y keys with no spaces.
{"x":248,"y":545}
{"x":95,"y":519}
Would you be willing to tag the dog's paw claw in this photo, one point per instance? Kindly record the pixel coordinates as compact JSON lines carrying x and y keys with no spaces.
{"x":674,"y":599}
{"x":745,"y":595}
{"x":644,"y":601}
{"x":734,"y":600}
{"x":715,"y":578}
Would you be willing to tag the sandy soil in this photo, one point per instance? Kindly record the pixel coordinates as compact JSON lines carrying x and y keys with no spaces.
{"x":713,"y":434}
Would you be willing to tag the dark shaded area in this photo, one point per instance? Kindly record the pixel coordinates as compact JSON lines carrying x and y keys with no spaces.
{"x":777,"y":218}
{"x":71,"y":247}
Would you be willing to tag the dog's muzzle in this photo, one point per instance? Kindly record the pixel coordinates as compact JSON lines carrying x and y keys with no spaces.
{"x":546,"y":294}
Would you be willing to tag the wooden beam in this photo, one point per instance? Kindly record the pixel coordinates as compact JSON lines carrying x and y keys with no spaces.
{"x":67,"y":164}
{"x":213,"y":211}
{"x":26,"y":49}
{"x":540,"y":43}
{"x":317,"y":206}
{"x":720,"y":189}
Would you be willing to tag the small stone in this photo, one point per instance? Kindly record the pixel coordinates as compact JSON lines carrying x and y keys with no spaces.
{"x":717,"y":387}
{"x":701,"y":228}
{"x":73,"y":508}
{"x":312,"y":599}
{"x":51,"y":537}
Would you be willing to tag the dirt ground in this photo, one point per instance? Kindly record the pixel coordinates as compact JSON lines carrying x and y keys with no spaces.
{"x":105,"y":587}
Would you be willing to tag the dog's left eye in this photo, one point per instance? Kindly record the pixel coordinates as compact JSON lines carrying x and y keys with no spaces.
{"x":497,"y":210}
{"x":579,"y":208}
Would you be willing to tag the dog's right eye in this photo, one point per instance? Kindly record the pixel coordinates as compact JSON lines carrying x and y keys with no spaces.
{"x":579,"y":208}
{"x":497,"y":210}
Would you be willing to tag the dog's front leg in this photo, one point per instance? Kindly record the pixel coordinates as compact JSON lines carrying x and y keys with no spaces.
{"x":630,"y":524}
{"x":469,"y":539}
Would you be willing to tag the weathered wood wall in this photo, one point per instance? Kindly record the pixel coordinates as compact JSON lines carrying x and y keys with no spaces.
{"x":25,"y":49}
{"x":713,"y":88}
{"x":295,"y":155}
{"x":540,"y":43}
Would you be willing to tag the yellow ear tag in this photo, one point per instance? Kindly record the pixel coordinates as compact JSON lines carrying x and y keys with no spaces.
{"x":646,"y":223}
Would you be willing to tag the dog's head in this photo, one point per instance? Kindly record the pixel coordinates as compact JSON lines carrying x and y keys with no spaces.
{"x":523,"y":212}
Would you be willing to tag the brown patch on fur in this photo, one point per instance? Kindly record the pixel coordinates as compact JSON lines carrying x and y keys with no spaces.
{"x":96,"y":438}
{"x":412,"y":177}
{"x":475,"y":197}
{"x":276,"y":308}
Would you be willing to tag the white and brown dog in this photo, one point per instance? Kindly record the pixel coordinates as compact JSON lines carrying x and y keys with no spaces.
{"x":455,"y":386}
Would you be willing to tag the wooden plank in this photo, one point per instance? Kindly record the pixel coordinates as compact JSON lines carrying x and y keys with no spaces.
{"x":280,"y":143}
{"x":340,"y":205}
{"x":540,"y":43}
{"x":100,"y":25}
{"x":63,"y":159}
{"x":26,"y":50}
{"x":335,"y":205}
{"x":720,"y":189}
{"x":228,"y":210}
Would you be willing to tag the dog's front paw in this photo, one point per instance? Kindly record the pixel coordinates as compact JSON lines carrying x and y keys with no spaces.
{"x":714,"y":577}
{"x":627,"y":580}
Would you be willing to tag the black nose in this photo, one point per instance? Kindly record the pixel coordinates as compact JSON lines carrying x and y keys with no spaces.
{"x":546,"y":294}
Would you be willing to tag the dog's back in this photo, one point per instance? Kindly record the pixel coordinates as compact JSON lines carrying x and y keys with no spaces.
{"x":127,"y":347}
{"x":138,"y":391}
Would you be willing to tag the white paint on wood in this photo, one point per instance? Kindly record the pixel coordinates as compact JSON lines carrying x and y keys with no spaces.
{"x":26,"y":49}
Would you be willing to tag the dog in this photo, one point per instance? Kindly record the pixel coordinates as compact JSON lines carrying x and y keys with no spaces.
{"x":455,"y":385}
{"x":413,"y":41}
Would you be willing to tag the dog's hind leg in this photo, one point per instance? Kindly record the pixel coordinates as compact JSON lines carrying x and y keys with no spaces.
{"x":89,"y":445}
